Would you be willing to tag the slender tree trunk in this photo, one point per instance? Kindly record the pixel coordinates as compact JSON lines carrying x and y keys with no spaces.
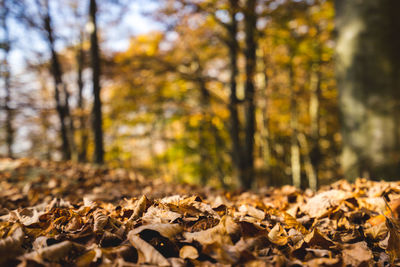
{"x":203,"y":151}
{"x":250,"y":56}
{"x":7,"y":80}
{"x":265,"y":133}
{"x":368,"y":75}
{"x":95,"y":62}
{"x":314,"y":152}
{"x":203,"y":141}
{"x":233,"y":46}
{"x":294,"y":145}
{"x":58,"y":87}
{"x":45,"y":121}
{"x":309,"y":168}
{"x":84,"y":138}
{"x":70,"y":123}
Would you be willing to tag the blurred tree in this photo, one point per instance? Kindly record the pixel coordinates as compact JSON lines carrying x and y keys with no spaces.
{"x":250,"y":22}
{"x":84,"y":135}
{"x":5,"y":71}
{"x":368,"y":72}
{"x":238,"y":156}
{"x":97,"y":119}
{"x":78,"y":48}
{"x":37,"y":15}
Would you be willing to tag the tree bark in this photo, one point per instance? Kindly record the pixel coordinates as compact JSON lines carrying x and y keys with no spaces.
{"x":233,"y":46}
{"x":265,"y":132}
{"x":95,"y":62}
{"x":368,"y":75}
{"x":84,"y":138}
{"x":250,"y":58}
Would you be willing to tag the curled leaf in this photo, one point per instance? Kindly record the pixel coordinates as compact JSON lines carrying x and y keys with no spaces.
{"x":316,"y":239}
{"x":219,"y":233}
{"x":149,"y":253}
{"x":278,"y":235}
{"x":140,"y":208}
{"x":165,"y":229}
{"x":55,"y":253}
{"x":100,"y":221}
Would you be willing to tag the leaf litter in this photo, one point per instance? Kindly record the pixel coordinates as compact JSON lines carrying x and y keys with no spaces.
{"x":64,"y":214}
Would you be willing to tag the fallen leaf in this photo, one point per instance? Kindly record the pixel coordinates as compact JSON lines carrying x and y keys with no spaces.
{"x":393,"y":247}
{"x":357,"y":254}
{"x":150,"y":254}
{"x":278,"y":235}
{"x":189,"y":252}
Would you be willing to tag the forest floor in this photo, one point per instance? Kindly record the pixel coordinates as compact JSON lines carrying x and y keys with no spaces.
{"x":64,"y":214}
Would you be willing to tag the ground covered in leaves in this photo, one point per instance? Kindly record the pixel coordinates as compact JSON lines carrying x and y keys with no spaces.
{"x":62,"y":214}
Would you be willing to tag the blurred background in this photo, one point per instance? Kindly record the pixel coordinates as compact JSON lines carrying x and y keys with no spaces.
{"x":221,"y":92}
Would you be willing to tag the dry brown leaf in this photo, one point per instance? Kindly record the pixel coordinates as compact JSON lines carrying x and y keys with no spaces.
{"x":376,"y":220}
{"x":40,"y":242}
{"x":393,"y":247}
{"x":11,"y":246}
{"x":148,"y":252}
{"x":218,"y":234}
{"x":334,"y":262}
{"x":251,"y":211}
{"x":320,"y":204}
{"x":278,"y":235}
{"x":165,"y":229}
{"x":28,"y":216}
{"x":140,"y":208}
{"x":357,"y":254}
{"x":156,"y":214}
{"x":189,"y":252}
{"x":377,"y":232}
{"x":291,"y":222}
{"x":100,"y":221}
{"x":316,"y":239}
{"x":55,"y":252}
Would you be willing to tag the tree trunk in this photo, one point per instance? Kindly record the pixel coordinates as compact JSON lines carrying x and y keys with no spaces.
{"x":58,"y":87}
{"x":82,"y":154}
{"x":7,"y":80}
{"x":314,"y":153}
{"x":368,"y":75}
{"x":265,"y":132}
{"x":233,"y":46}
{"x":95,"y":62}
{"x":250,"y":57}
{"x":308,"y":166}
{"x":294,"y":145}
{"x":203,"y":142}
